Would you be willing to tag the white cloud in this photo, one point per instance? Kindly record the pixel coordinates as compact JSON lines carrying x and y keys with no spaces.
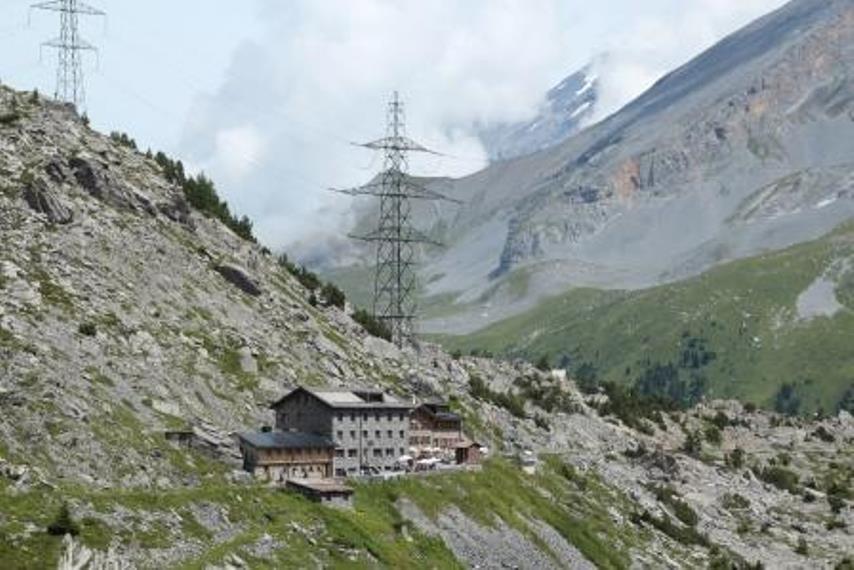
{"x":320,"y":76}
{"x":238,"y":150}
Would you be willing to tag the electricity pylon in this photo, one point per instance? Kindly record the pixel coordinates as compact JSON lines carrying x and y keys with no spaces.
{"x":395,"y":239}
{"x":69,"y":46}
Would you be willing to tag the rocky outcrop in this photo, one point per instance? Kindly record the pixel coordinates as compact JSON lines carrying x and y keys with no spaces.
{"x":44,"y":200}
{"x":238,"y":277}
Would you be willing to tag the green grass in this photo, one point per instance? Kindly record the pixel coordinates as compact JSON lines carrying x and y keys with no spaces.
{"x":744,"y":312}
{"x":373,"y":533}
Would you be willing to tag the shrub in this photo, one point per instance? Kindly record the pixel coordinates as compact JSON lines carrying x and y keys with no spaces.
{"x":681,"y":509}
{"x":587,"y":377}
{"x":735,"y":502}
{"x":802,"y":548}
{"x":693,"y":444}
{"x":749,"y":407}
{"x":123,"y":139}
{"x":787,"y":401}
{"x":735,"y":459}
{"x":457,"y":354}
{"x":632,"y":407}
{"x":543,"y":363}
{"x":685,"y":535}
{"x":63,"y":523}
{"x":834,"y":524}
{"x":836,"y":503}
{"x":333,"y":296}
{"x":713,"y":435}
{"x":373,"y":325}
{"x":780,"y":477}
{"x":824,"y":435}
{"x":542,"y":422}
{"x":720,"y":420}
{"x":88,"y":329}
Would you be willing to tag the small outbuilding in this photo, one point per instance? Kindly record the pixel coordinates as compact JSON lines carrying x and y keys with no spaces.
{"x":325,"y":491}
{"x":278,"y":456}
{"x":468,"y":453}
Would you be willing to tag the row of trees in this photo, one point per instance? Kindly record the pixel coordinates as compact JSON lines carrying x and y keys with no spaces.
{"x":199,"y":190}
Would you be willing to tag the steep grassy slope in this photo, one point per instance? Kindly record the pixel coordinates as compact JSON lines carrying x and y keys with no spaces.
{"x":740,"y":326}
{"x":373,"y":534}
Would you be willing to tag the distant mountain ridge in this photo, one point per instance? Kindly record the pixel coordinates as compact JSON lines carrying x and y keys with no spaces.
{"x":567,"y":108}
{"x":660,"y":190}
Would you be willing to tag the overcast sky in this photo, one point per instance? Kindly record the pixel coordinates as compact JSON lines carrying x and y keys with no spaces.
{"x":266,"y":95}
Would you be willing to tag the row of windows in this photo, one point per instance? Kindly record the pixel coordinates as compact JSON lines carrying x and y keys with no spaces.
{"x":378,"y":434}
{"x":377,"y":452}
{"x":377,"y":416}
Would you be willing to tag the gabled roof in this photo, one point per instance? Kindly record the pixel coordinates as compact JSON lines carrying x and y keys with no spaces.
{"x":362,"y":399}
{"x":285,"y":440}
{"x":439,"y":411}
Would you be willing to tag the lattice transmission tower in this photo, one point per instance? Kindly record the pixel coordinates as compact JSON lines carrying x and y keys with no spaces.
{"x":70,"y":46}
{"x":395,"y":238}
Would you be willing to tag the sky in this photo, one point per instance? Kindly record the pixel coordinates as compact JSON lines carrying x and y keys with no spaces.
{"x":267,"y":96}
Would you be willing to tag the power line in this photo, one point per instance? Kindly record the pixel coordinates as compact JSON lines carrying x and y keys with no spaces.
{"x":69,"y":46}
{"x":395,"y":238}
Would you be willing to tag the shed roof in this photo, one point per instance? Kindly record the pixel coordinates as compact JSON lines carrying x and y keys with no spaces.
{"x":285,"y":440}
{"x":322,"y":485}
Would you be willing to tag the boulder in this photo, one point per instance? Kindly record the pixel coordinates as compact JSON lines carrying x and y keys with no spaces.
{"x":42,"y":199}
{"x":94,"y":179}
{"x":177,"y":209}
{"x":248,"y":364}
{"x":238,"y":277}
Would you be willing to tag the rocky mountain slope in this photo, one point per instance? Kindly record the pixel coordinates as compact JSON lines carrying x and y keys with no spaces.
{"x":124,"y":313}
{"x":567,"y":107}
{"x":745,"y":149}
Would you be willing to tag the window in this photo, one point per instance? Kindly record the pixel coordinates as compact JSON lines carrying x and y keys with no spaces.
{"x":377,"y":416}
{"x":389,"y":452}
{"x":340,"y":434}
{"x":390,"y":434}
{"x":340,"y":417}
{"x":378,"y":434}
{"x":351,"y":453}
{"x":352,"y":434}
{"x":365,"y":433}
{"x":401,"y":451}
{"x":339,"y":453}
{"x":401,"y":416}
{"x":402,"y":434}
{"x":353,"y":416}
{"x":389,"y":416}
{"x":340,"y":472}
{"x":365,"y":416}
{"x":378,"y":452}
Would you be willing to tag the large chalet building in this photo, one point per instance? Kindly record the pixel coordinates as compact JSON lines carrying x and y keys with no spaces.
{"x":370,"y":429}
{"x":331,"y":434}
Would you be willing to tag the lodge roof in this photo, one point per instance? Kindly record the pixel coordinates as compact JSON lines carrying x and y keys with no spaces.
{"x":285,"y":440}
{"x":349,"y":399}
{"x":439,"y":411}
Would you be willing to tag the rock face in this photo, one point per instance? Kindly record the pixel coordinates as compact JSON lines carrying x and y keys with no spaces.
{"x":41,"y":199}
